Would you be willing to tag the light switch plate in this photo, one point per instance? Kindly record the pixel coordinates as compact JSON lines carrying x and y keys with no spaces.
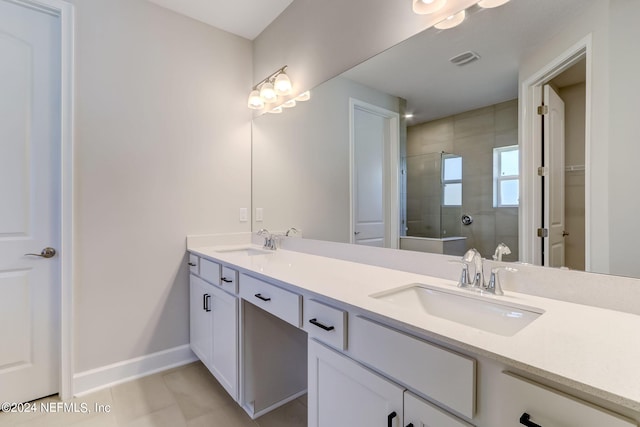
{"x":244,"y":215}
{"x":259,"y":214}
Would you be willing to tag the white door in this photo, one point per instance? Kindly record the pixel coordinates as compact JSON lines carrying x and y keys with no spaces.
{"x":554,"y":124}
{"x":341,"y":393}
{"x":29,"y":201}
{"x":375,"y":165}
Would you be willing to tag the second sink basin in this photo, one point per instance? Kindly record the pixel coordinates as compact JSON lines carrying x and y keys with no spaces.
{"x":472,"y":310}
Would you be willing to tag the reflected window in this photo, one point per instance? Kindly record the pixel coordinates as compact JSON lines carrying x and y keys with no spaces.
{"x":451,"y":180}
{"x":506,"y":176}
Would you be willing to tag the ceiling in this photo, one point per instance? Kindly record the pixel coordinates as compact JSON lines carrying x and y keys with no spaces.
{"x":245,"y":18}
{"x":419,"y":70}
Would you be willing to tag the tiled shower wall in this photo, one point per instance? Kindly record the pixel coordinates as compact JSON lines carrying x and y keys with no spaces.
{"x":473,"y":135}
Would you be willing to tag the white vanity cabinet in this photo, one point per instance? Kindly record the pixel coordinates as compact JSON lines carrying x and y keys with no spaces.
{"x":214,"y":331}
{"x":524,"y":402}
{"x":342,"y":393}
{"x":420,"y":413}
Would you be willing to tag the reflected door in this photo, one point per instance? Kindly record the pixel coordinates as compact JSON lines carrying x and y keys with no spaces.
{"x":554,"y":217}
{"x":368,"y":197}
{"x":29,"y":201}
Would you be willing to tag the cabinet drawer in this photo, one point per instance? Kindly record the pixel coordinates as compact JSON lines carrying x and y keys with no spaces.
{"x":442,"y":375}
{"x":548,"y":407}
{"x":229,"y":280}
{"x":210,"y":271}
{"x":194,"y":264}
{"x":325,"y":323}
{"x":277,"y":301}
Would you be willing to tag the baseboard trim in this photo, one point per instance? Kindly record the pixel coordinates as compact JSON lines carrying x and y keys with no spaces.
{"x":107,"y":376}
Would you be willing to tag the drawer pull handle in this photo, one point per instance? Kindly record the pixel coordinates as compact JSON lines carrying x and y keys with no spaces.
{"x":192,"y":264}
{"x":524,"y":420}
{"x":320,"y":325}
{"x":390,"y":418}
{"x":206,"y":300}
{"x":259,"y":296}
{"x":225,"y":280}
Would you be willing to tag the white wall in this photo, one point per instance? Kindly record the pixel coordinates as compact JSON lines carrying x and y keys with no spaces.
{"x":321,"y":39}
{"x":162,"y":150}
{"x":592,"y":21}
{"x":301,"y":161}
{"x":624,"y":136}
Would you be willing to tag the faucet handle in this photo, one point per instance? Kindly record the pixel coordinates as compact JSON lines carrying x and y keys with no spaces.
{"x":494,"y":286}
{"x":464,"y":275}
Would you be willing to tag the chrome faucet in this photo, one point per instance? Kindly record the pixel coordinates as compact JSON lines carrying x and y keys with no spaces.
{"x":502,"y":249}
{"x":493,"y":286}
{"x":270,"y":241}
{"x":472,"y":256}
{"x":291,"y":230}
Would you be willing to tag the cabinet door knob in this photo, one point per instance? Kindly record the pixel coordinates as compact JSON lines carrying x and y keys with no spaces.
{"x":524,"y":420}
{"x":225,"y":280}
{"x":320,"y":325}
{"x":390,"y":418}
{"x":259,"y":296}
{"x":192,"y":264}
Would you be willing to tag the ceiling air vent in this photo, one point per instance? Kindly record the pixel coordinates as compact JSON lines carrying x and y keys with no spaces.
{"x":464,"y":58}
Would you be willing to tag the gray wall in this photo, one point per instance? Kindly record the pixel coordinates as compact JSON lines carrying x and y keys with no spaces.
{"x":162,"y":129}
{"x":473,"y":135}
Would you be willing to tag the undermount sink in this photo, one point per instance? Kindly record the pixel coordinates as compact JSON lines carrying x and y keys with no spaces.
{"x":246,"y":251}
{"x":475,"y":311}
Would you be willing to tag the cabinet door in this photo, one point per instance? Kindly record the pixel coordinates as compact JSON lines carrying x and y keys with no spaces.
{"x":342,"y":393}
{"x":200,"y":318}
{"x":420,"y":413}
{"x":224,"y":356}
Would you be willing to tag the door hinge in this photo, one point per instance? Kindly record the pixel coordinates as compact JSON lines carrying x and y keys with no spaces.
{"x":543,"y":109}
{"x":543,"y":171}
{"x":543,"y":232}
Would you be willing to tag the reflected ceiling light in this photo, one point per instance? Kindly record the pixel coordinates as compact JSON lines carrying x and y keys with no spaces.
{"x":451,"y":21}
{"x":289,"y":104}
{"x":424,"y":7}
{"x":488,"y":4}
{"x":408,"y":116}
{"x":304,"y":96}
{"x":276,"y":110}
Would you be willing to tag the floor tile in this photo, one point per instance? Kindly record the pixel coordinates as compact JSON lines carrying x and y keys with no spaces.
{"x":196,"y":391}
{"x":293,"y":414}
{"x":141,"y":397}
{"x":224,"y":416}
{"x":168,"y":417}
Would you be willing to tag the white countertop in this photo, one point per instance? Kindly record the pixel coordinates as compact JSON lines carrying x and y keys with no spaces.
{"x":590,"y":349}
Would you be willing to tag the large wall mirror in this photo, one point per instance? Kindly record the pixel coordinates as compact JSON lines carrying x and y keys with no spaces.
{"x":421,"y":147}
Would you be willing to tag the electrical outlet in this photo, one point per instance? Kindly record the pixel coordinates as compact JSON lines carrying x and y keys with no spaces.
{"x":244,"y":215}
{"x":259,"y":214}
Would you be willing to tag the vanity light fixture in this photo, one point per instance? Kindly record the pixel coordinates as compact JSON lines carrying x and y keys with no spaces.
{"x":488,"y":4}
{"x":276,"y":110}
{"x":425,"y":7}
{"x":289,"y":104}
{"x":269,"y":89}
{"x":451,"y":21}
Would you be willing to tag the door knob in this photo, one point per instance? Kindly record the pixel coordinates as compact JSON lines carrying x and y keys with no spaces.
{"x":565,"y":234}
{"x":46,"y":253}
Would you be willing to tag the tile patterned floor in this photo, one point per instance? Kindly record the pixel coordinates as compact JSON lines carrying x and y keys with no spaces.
{"x":188,"y":396}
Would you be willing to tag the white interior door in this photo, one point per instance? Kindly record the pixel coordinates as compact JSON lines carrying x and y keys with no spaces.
{"x":375,"y":183}
{"x":554,"y":221}
{"x":369,"y":142}
{"x":29,"y":201}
